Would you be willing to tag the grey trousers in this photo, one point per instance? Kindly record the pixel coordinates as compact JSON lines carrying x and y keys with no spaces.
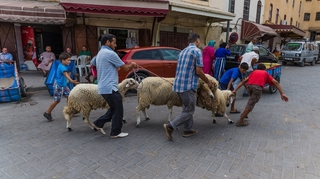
{"x":188,"y":99}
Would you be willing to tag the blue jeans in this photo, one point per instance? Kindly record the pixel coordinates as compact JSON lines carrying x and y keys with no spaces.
{"x":114,"y":114}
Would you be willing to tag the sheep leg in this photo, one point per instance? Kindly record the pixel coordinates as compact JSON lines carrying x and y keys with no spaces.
{"x":68,"y":117}
{"x":214,"y":121}
{"x":86,"y":115}
{"x":137,"y":116}
{"x":170,"y":114}
{"x":229,"y":120}
{"x":144,"y":111}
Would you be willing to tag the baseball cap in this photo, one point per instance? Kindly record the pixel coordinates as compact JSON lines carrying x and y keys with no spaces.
{"x":255,"y":48}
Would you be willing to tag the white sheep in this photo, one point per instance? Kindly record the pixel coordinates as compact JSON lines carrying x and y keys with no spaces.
{"x":84,"y":97}
{"x":222,"y":99}
{"x":158,"y":91}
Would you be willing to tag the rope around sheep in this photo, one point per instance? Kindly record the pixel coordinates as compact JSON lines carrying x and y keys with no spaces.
{"x":137,"y":77}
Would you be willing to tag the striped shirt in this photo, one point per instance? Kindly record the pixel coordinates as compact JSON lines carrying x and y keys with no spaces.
{"x":107,"y":64}
{"x":186,"y":77}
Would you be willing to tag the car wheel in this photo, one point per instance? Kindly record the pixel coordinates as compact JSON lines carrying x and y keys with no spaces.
{"x":284,"y":63}
{"x":273,"y":89}
{"x":313,"y":62}
{"x":23,"y":86}
{"x":302,"y":63}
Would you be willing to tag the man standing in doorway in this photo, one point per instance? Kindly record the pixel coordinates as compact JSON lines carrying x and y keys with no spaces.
{"x":107,"y":64}
{"x":189,"y":69}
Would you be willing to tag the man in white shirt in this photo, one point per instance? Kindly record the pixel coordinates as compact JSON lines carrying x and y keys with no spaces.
{"x":251,"y":58}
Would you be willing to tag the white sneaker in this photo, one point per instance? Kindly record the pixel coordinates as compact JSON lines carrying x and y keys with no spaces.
{"x":121,"y":135}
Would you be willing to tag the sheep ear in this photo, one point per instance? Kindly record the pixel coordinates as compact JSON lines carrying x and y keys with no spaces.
{"x":127,"y":85}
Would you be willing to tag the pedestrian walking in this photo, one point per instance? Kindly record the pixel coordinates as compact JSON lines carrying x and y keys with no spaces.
{"x":107,"y":64}
{"x":256,"y":82}
{"x":208,"y":58}
{"x":229,"y":77}
{"x":220,"y":62}
{"x":60,"y":85}
{"x":188,"y":71}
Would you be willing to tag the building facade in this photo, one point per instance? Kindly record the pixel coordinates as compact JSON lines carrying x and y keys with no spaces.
{"x":311,"y":19}
{"x":28,"y":26}
{"x":246,"y":10}
{"x":285,"y":17}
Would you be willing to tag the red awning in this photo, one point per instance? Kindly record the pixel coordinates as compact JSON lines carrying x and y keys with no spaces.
{"x":123,"y":10}
{"x":287,"y":30}
{"x":250,"y":30}
{"x":32,"y":12}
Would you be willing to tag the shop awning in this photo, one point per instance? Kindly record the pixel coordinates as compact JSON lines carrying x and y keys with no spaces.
{"x":154,"y":8}
{"x":32,"y":12}
{"x":250,"y":30}
{"x":289,"y":31}
{"x":189,"y":10}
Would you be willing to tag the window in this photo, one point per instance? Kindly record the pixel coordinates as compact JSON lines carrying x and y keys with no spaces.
{"x":292,"y":3}
{"x":170,"y":54}
{"x":258,"y":12}
{"x":296,"y":23}
{"x":147,"y":55}
{"x":285,"y":17}
{"x":291,"y":20}
{"x":300,"y":8}
{"x":277,"y":16}
{"x":246,"y":9}
{"x":270,"y":12}
{"x":263,"y":51}
{"x":231,"y":6}
{"x":306,"y":17}
{"x":308,"y":0}
{"x":317,"y":16}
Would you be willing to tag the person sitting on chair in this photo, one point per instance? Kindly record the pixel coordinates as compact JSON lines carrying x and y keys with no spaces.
{"x":47,"y":59}
{"x":5,"y":56}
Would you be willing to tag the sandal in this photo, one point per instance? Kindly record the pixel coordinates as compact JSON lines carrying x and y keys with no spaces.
{"x":242,"y":123}
{"x":235,"y":112}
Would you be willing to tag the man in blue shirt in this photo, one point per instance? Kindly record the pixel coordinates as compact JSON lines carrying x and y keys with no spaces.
{"x":229,"y":77}
{"x":107,"y":64}
{"x":188,"y":71}
{"x":5,"y":56}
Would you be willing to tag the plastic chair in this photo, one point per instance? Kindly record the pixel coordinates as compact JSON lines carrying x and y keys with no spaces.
{"x":81,"y":63}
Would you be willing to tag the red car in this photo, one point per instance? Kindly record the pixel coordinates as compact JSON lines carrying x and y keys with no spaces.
{"x":161,"y":61}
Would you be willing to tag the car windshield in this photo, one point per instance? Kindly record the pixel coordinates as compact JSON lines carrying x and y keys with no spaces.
{"x":292,"y":46}
{"x":236,"y":48}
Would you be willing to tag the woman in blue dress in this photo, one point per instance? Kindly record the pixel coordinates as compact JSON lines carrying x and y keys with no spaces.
{"x":220,"y":62}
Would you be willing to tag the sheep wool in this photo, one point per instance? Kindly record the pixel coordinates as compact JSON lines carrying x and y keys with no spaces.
{"x":84,"y":97}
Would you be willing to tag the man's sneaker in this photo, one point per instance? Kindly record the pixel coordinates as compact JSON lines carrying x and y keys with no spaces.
{"x":48,"y":116}
{"x":99,"y":129}
{"x":190,"y":133}
{"x":121,"y":135}
{"x":168,"y":131}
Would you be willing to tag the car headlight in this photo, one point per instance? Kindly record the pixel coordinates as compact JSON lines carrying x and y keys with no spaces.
{"x":282,"y":54}
{"x":298,"y":55}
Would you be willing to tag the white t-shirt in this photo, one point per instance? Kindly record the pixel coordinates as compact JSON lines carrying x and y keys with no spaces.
{"x":247,"y":57}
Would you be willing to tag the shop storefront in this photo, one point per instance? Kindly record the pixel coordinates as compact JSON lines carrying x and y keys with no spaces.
{"x":29,"y":26}
{"x":132,"y":22}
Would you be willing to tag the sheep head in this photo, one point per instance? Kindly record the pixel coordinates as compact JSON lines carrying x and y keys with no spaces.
{"x":204,"y":90}
{"x":229,"y":96}
{"x":130,"y":83}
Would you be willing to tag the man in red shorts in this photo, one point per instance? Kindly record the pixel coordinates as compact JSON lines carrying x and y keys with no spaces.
{"x":255,"y":84}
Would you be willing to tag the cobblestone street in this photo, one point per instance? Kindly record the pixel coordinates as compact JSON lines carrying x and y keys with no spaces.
{"x":280,"y":142}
